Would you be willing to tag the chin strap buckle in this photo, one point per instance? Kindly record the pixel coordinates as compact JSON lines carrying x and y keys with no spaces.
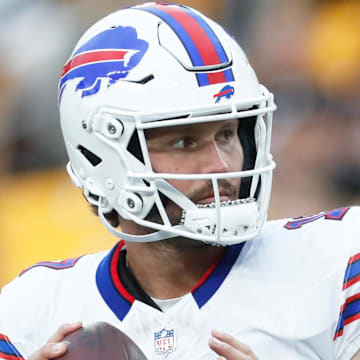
{"x":237,"y":217}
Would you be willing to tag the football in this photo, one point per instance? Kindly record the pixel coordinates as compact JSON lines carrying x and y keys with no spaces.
{"x":101,"y":341}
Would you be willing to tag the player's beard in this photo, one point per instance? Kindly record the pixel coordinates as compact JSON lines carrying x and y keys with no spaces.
{"x":174,"y":213}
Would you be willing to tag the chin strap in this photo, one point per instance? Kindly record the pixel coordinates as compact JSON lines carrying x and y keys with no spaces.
{"x":237,"y":218}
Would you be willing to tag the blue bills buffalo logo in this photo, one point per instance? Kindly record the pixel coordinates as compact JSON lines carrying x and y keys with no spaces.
{"x":111,"y":54}
{"x":164,"y":342}
{"x":226,"y":92}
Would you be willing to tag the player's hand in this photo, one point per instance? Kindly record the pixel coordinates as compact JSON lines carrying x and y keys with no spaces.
{"x":229,"y":348}
{"x":55,"y":346}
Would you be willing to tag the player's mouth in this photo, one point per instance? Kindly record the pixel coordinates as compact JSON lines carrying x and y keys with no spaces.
{"x":208,"y":199}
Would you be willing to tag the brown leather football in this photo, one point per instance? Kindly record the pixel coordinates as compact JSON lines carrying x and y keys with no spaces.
{"x":101,"y":341}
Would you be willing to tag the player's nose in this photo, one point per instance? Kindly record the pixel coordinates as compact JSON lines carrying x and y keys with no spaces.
{"x":214,"y":159}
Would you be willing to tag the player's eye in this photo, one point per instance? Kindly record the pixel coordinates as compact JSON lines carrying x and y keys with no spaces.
{"x":225,"y":136}
{"x":186,"y":142}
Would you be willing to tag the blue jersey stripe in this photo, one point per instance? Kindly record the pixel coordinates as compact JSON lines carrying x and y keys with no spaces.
{"x":353,"y":270}
{"x":340,"y":325}
{"x":117,"y":303}
{"x":8,"y":349}
{"x":203,"y":293}
{"x":352,"y":309}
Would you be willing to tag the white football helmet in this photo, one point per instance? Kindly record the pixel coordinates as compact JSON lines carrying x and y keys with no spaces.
{"x":158,"y":65}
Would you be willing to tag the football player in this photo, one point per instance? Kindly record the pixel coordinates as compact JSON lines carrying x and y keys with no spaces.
{"x":168,"y":133}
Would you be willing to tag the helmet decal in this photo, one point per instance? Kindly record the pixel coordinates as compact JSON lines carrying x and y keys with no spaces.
{"x":110,"y":54}
{"x":226,"y":92}
{"x":200,"y":41}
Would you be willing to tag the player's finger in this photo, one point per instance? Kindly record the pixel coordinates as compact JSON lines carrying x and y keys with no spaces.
{"x":63,"y":331}
{"x":226,"y":351}
{"x":49,"y":351}
{"x":232,"y":341}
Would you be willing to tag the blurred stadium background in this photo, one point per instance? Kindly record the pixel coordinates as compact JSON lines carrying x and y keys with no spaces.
{"x":306,"y":51}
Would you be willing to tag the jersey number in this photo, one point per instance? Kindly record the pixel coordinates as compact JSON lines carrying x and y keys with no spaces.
{"x":336,"y":214}
{"x":57,"y":265}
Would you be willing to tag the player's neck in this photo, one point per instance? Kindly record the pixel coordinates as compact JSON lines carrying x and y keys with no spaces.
{"x":167,"y":272}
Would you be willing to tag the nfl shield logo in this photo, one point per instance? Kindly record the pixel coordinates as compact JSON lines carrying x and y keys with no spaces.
{"x":164,"y":342}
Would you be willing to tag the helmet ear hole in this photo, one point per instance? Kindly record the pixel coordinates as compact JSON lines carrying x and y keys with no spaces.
{"x":90,"y":156}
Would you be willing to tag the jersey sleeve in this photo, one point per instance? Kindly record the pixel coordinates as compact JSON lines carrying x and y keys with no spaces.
{"x":27,"y":305}
{"x":347,"y":333}
{"x":37,"y":302}
{"x":14,"y":317}
{"x":8,"y":350}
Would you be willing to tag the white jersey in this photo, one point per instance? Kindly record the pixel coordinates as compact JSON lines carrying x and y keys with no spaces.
{"x":291,"y":293}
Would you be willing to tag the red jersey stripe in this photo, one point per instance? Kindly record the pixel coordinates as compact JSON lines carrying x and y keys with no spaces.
{"x":351,"y":319}
{"x":4,"y":337}
{"x":338,"y":334}
{"x":351,"y":282}
{"x":352,"y":298}
{"x":115,"y":274}
{"x":10,"y":357}
{"x":354,"y":258}
{"x":206,"y":275}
